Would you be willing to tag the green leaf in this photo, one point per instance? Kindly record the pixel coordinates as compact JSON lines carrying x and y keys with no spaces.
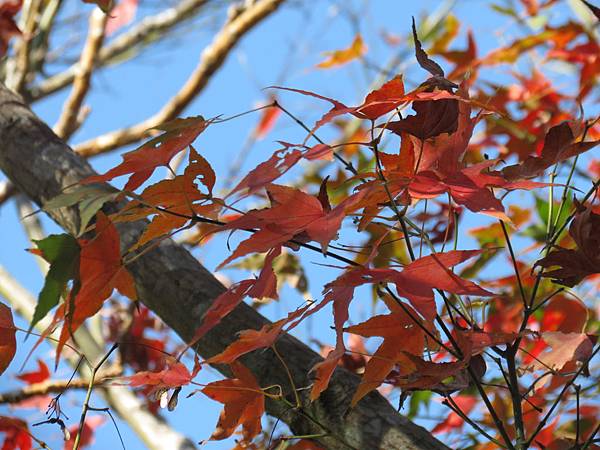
{"x":542,"y":207}
{"x":504,"y":10}
{"x":62,"y":252}
{"x":417,"y":399}
{"x":88,"y":198}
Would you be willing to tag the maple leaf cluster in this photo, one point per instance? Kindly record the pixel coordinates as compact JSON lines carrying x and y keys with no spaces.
{"x":444,"y":323}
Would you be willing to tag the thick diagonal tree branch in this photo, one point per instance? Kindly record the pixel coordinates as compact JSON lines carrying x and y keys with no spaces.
{"x":173,"y":284}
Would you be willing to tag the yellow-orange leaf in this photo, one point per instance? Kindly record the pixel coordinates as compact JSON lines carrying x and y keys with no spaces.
{"x":341,"y":57}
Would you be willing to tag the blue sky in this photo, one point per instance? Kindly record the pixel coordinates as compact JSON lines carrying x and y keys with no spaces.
{"x":282,"y":50}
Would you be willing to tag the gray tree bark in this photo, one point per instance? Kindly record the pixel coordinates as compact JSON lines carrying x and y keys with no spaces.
{"x":176,"y":287}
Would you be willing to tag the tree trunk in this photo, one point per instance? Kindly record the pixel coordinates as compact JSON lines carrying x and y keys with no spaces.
{"x":177,"y":288}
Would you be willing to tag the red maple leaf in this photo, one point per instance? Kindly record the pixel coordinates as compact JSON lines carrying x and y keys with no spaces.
{"x":563,"y":348}
{"x":559,"y":144}
{"x":264,"y":286}
{"x":267,"y":120}
{"x":415,"y":282}
{"x":87,"y":433}
{"x":8,"y":341}
{"x":144,"y":160}
{"x":293,"y":214}
{"x":465,"y":403}
{"x":175,"y":375}
{"x":279,"y":163}
{"x":37,"y":376}
{"x":395,"y":328}
{"x":121,"y":15}
{"x":8,"y":27}
{"x":16,"y":434}
{"x":173,"y":201}
{"x":250,"y":340}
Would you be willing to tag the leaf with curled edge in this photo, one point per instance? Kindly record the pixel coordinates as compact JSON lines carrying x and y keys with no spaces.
{"x":562,"y":349}
{"x":278,"y":164}
{"x":8,"y":341}
{"x":175,"y":375}
{"x":243,"y":400}
{"x":573,"y":265}
{"x":382,"y":100}
{"x":559,"y":145}
{"x":268,"y":171}
{"x":424,"y":61}
{"x":157,"y":152}
{"x":432,"y":118}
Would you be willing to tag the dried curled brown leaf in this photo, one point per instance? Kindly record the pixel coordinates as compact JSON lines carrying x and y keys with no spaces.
{"x":584,"y":260}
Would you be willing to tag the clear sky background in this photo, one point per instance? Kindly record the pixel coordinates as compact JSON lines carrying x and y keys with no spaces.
{"x":284,"y":50}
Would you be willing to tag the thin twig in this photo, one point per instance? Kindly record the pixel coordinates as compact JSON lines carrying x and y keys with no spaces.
{"x":148,"y":30}
{"x":454,"y":407}
{"x":558,"y":399}
{"x":88,"y":395}
{"x":68,"y":121}
{"x":213,"y":57}
{"x":54,"y":386}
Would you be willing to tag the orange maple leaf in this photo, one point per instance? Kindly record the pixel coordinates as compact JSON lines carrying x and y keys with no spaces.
{"x":141,"y":162}
{"x":244,"y":403}
{"x":341,"y":57}
{"x":101,"y":270}
{"x":401,"y":335}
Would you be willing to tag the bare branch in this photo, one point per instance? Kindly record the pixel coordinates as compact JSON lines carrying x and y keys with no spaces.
{"x":55,"y":387}
{"x":68,"y":121}
{"x":212,"y":58}
{"x":147,"y":30}
{"x":18,"y":66}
